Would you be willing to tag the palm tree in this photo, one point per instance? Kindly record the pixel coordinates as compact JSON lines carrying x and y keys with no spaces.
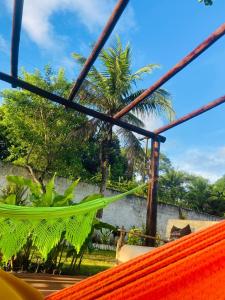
{"x":111,"y":87}
{"x":173,"y":186}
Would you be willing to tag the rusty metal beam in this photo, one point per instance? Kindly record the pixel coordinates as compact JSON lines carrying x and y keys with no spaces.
{"x":117,"y":12}
{"x":177,"y":68}
{"x":82,"y":109}
{"x":16,"y":29}
{"x":192,"y":114}
{"x":151,"y":217}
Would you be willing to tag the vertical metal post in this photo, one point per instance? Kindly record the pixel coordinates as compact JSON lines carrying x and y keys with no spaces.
{"x":117,"y":12}
{"x":151,"y":217}
{"x":16,"y":28}
{"x":146,"y":170}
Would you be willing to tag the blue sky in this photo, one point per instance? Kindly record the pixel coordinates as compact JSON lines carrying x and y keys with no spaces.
{"x":160,"y":32}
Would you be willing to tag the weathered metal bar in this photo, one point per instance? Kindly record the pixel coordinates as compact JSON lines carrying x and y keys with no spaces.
{"x":16,"y":29}
{"x":117,"y":12}
{"x":192,"y":114}
{"x":177,"y":68}
{"x":151,"y":217}
{"x":82,"y":109}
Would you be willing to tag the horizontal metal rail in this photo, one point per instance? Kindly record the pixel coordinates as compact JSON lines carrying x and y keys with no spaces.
{"x":82,"y":109}
{"x":172,"y":72}
{"x":192,"y":114}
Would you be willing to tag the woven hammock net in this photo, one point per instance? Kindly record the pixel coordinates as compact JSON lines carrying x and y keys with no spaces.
{"x":45,"y":225}
{"x":190,"y":268}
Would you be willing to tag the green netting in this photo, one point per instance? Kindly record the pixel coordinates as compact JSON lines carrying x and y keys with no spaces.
{"x":46,"y":224}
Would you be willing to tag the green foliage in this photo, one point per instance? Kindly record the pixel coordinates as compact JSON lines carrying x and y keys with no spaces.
{"x":105,"y":236}
{"x":172,"y":187}
{"x":183,"y":189}
{"x":14,"y":194}
{"x":108,"y":89}
{"x":11,"y":199}
{"x":35,"y":188}
{"x":37,"y":197}
{"x":199,"y":191}
{"x":39,"y":132}
{"x":135,"y":239}
{"x":206,"y":2}
{"x":216,"y":203}
{"x":94,"y":262}
{"x":91,"y":197}
{"x":219,"y":185}
{"x":40,"y":198}
{"x":104,"y":231}
{"x":195,"y":192}
{"x":98,"y":225}
{"x":4,"y":143}
{"x":165,"y":164}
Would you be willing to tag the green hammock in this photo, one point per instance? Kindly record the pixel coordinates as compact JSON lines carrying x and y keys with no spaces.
{"x":46,"y":224}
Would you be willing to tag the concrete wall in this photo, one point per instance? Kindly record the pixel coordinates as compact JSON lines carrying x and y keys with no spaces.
{"x":128,"y":212}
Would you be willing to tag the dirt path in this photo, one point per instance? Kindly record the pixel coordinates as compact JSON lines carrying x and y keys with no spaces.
{"x":48,"y":284}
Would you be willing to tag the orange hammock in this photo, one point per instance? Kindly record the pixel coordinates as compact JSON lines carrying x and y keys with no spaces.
{"x":192,"y":267}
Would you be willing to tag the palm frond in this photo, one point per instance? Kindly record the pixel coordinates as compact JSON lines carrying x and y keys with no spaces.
{"x":138,"y":75}
{"x":79,"y":58}
{"x":96,"y":78}
{"x":116,"y":68}
{"x":132,"y":119}
{"x":87,"y":130}
{"x":158,"y":104}
{"x":131,"y":143}
{"x":109,"y":88}
{"x":92,"y":96}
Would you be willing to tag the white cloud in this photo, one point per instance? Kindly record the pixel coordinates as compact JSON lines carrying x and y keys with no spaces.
{"x":209,"y":163}
{"x":68,"y":64}
{"x":152,"y":122}
{"x":37,"y":17}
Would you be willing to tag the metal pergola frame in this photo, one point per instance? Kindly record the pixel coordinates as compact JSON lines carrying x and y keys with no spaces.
{"x":156,"y":138}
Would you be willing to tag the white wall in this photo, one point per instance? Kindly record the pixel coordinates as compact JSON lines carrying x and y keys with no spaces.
{"x":128,"y":212}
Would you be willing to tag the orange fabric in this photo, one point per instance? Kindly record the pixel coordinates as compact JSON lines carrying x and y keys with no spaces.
{"x":192,"y":267}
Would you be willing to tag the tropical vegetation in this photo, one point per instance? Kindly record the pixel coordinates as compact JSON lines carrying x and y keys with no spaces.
{"x":108,"y":89}
{"x":30,"y":254}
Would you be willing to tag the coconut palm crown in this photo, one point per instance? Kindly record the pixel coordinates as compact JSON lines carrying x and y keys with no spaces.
{"x":108,"y":89}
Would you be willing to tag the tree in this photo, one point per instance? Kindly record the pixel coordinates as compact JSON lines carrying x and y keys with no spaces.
{"x":195,"y":192}
{"x":138,"y":167}
{"x":24,"y":191}
{"x":172,"y":187}
{"x":4,"y":143}
{"x":198,"y":193}
{"x":117,"y":160}
{"x":219,"y":185}
{"x":216,"y":202}
{"x":41,"y":132}
{"x":108,"y":89}
{"x":206,"y":2}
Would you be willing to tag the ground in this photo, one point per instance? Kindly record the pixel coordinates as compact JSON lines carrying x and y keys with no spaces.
{"x":97,"y":261}
{"x":93,"y":263}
